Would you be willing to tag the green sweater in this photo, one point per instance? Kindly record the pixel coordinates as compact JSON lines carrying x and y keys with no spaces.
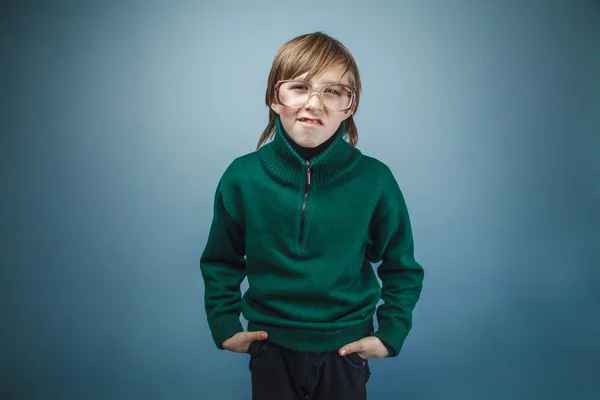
{"x":305,"y":234}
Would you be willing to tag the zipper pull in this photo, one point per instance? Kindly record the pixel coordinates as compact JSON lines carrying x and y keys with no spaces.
{"x":308,"y":171}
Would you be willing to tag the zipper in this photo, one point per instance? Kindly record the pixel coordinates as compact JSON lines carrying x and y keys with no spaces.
{"x":306,"y":187}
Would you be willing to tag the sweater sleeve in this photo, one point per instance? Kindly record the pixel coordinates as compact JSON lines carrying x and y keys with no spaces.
{"x":390,"y":349}
{"x":223,"y":268}
{"x":400,"y":273}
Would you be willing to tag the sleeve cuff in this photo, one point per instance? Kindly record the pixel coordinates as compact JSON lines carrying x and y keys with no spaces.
{"x":393,"y":336}
{"x":390,"y":349}
{"x":224,"y":327}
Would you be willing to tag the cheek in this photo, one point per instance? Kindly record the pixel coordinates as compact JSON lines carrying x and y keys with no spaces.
{"x":287,"y":112}
{"x":287,"y":120}
{"x":336,"y":119}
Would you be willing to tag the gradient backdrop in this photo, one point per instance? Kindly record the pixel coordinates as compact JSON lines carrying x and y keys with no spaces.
{"x":119,"y":117}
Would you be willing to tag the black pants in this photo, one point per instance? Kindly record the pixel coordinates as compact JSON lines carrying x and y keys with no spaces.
{"x":279,"y":373}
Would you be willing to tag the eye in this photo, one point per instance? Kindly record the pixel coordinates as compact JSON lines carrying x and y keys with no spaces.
{"x":299,"y":86}
{"x":332,"y":91}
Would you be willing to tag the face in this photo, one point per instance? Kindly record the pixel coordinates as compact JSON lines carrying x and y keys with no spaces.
{"x":312,"y":124}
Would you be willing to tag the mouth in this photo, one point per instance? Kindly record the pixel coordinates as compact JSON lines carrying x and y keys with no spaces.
{"x":311,"y":121}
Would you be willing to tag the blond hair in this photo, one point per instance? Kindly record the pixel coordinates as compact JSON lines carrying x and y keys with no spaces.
{"x":313,"y":53}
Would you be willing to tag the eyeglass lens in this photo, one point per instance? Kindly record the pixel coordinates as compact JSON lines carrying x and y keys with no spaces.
{"x":334,"y":97}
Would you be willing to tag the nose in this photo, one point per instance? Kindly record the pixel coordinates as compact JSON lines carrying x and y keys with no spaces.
{"x":314,"y":101}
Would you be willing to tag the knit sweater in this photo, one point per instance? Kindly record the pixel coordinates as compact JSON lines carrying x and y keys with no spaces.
{"x":308,"y":153}
{"x":306,"y":233}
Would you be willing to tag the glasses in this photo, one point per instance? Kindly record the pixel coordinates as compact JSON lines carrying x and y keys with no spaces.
{"x":335,"y":97}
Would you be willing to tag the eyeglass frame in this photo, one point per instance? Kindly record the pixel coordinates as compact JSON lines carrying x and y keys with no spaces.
{"x":319,"y":93}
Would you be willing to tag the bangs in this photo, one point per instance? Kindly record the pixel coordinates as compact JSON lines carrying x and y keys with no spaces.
{"x":313,"y":55}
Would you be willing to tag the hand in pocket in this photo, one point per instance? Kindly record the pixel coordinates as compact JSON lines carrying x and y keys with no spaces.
{"x":240,"y":342}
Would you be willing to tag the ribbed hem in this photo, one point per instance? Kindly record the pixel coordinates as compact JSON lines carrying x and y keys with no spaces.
{"x":393,"y":335}
{"x":224,"y":327}
{"x":305,"y":340}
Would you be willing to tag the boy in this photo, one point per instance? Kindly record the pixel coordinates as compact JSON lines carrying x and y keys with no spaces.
{"x":303,"y":217}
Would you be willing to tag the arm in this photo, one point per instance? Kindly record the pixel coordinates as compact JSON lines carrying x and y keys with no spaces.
{"x":223,"y":268}
{"x":400,"y":273}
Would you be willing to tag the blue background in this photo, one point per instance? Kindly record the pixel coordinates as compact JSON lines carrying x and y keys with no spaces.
{"x":118,"y":118}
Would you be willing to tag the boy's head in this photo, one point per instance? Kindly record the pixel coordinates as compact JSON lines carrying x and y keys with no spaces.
{"x":320,"y":69}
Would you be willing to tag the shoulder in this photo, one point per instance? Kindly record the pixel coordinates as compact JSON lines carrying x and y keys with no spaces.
{"x":383,"y":183}
{"x":379,"y":173}
{"x":237,"y":173}
{"x":240,"y":168}
{"x":231,"y":184}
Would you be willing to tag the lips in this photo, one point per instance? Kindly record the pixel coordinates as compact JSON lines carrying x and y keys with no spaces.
{"x":315,"y":121}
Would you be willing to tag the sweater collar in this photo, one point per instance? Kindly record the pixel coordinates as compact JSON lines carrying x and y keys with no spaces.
{"x":283,"y":163}
{"x":308,"y":153}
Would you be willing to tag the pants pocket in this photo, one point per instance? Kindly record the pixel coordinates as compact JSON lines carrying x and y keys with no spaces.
{"x":256,"y":348}
{"x":356,"y":360}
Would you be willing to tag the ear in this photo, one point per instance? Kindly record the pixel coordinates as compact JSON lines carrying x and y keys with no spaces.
{"x":348,"y":113}
{"x":276,"y":107}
